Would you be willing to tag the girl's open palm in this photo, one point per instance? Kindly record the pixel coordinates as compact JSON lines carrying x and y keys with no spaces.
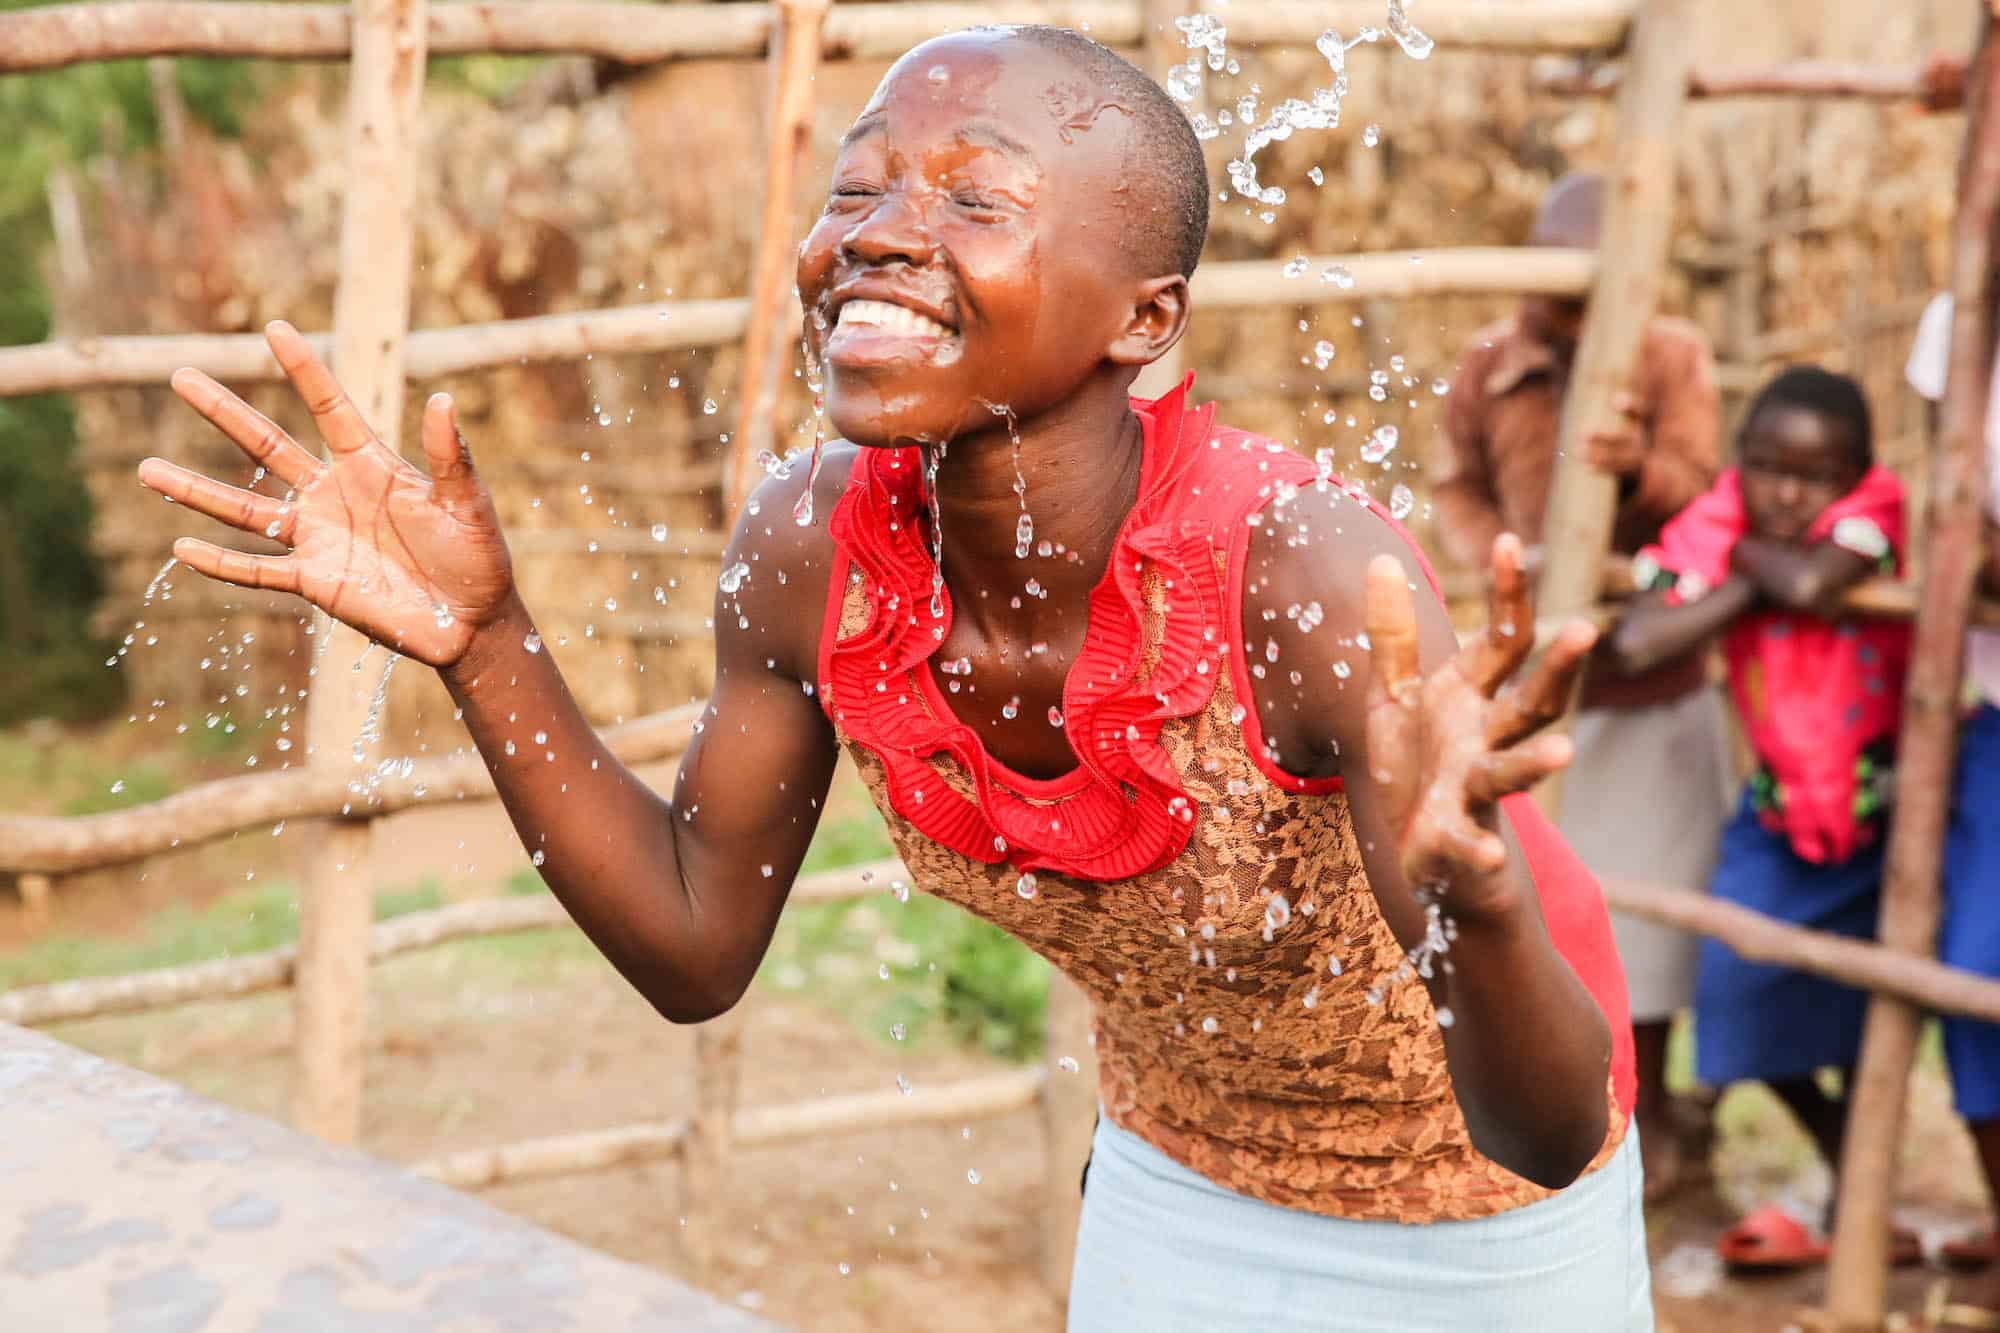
{"x":415,"y":562}
{"x":1444,"y":748}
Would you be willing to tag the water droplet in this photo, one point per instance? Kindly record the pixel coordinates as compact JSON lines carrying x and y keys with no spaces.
{"x":1025,"y":886}
{"x":1055,"y":716}
{"x":659,"y":532}
{"x":897,"y":1031}
{"x":533,"y":643}
{"x":1210,"y":1026}
{"x":1337,"y":275}
{"x":540,"y":856}
{"x":1371,"y":135}
{"x":1277,"y":912}
{"x":1316,"y":176}
{"x":1416,"y":44}
{"x":708,"y":407}
{"x":1067,"y":1064}
{"x":1445,"y":1016}
{"x":1012,"y":708}
{"x":1381,"y":443}
{"x":1296,"y":267}
{"x":732,"y":578}
{"x":1401,"y":501}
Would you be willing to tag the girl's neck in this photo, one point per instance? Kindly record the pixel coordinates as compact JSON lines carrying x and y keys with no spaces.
{"x":1076,"y":467}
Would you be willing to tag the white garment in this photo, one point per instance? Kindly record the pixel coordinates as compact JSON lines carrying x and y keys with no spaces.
{"x":1930,"y":360}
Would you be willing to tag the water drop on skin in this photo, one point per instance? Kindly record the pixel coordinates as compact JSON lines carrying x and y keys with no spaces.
{"x":972,"y":1176}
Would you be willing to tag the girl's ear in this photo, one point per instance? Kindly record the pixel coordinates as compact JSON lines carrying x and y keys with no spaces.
{"x":1159,"y":318}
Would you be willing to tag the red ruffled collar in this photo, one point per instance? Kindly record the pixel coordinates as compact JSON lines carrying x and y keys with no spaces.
{"x":1122,"y":811}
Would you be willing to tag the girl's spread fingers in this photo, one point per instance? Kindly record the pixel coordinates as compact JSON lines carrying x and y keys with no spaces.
{"x":1488,"y":661}
{"x":246,"y":571}
{"x":339,"y":420}
{"x":1391,"y":623}
{"x":1544,"y":696}
{"x":254,"y":513}
{"x":254,"y":433}
{"x":1452,"y":844}
{"x":1501,"y":773}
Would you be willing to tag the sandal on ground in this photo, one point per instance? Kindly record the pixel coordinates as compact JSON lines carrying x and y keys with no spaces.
{"x":1941,"y":1315}
{"x":1769,"y":1239}
{"x":1979,"y":1250}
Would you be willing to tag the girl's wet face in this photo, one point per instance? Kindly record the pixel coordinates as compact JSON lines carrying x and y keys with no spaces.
{"x":968,"y":253}
{"x":1795,"y":462}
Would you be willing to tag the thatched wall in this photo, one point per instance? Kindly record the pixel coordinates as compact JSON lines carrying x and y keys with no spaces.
{"x":1804,"y":232}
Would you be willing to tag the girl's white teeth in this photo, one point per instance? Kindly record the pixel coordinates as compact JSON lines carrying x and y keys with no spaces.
{"x":893,"y":318}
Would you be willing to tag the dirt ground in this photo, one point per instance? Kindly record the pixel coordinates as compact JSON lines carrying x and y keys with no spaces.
{"x":498,"y":1040}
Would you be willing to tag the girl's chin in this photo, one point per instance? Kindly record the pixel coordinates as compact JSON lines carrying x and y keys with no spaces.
{"x":894,"y":429}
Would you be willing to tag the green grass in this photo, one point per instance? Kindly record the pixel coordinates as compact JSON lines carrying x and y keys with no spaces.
{"x":948,"y":975}
{"x":250,"y":921}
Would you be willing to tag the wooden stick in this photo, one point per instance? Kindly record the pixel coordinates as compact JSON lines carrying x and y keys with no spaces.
{"x":143,"y":359}
{"x":99,"y":997}
{"x":244,"y":358}
{"x":718,"y":1074}
{"x":794,"y":65}
{"x":211,"y":810}
{"x":1927,"y":753}
{"x":1632,"y":253}
{"x":569,"y":1154}
{"x":51,"y":36}
{"x":1069,"y":1108}
{"x":371,"y":315}
{"x":1864,"y":964}
{"x":1791,"y":78}
{"x":1464,"y":271}
{"x":561,"y":1155}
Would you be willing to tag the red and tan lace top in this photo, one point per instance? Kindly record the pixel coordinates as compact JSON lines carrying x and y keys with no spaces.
{"x":1213,"y":907}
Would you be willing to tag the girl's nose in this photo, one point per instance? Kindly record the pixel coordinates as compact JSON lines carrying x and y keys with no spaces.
{"x":893,"y":229}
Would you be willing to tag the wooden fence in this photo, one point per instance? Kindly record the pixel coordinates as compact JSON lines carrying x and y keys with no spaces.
{"x":388,"y":42}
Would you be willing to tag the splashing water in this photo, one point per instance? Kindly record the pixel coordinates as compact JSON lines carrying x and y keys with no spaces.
{"x":1322,"y":113}
{"x":1416,"y":44}
{"x":732,"y":578}
{"x":934,"y":459}
{"x":158,"y":582}
{"x":1024,"y":526}
{"x":1381,"y":443}
{"x":371,"y":725}
{"x":1401,"y":501}
{"x":802,"y":512}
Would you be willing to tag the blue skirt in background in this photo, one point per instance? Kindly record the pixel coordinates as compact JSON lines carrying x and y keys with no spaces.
{"x":1753,"y":1021}
{"x":1970,"y":937}
{"x":1759,"y":1022}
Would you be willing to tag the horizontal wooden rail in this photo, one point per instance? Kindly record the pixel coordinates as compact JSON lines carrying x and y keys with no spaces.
{"x":211,"y":810}
{"x":752,"y":1127}
{"x":231,"y":978}
{"x":1863,"y":964}
{"x":57,"y":35}
{"x":244,"y":358}
{"x":1462,"y":271}
{"x":1792,"y":78}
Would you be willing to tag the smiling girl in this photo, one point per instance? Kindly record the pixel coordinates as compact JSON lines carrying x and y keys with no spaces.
{"x":1144,"y":690}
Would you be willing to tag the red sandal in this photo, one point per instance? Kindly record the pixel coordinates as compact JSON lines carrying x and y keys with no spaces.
{"x":1770,"y":1240}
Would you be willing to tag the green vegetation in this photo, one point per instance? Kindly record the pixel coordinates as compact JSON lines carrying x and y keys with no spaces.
{"x":948,"y":976}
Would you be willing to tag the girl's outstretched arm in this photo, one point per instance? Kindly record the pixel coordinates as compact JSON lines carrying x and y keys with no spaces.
{"x":1429,"y":737}
{"x":680,"y":895}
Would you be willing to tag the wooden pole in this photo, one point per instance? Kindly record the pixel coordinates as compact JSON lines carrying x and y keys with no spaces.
{"x":1632,"y":260}
{"x":1069,"y":1107}
{"x":51,"y":36}
{"x":794,"y":67}
{"x":1857,"y":1287}
{"x":718,"y":1068}
{"x":1791,"y":78}
{"x":370,"y":317}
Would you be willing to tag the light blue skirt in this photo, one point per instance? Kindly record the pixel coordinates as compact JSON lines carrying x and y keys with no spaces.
{"x":1162,"y":1248}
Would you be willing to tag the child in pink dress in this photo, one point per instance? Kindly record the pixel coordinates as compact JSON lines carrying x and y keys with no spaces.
{"x":1762,"y":559}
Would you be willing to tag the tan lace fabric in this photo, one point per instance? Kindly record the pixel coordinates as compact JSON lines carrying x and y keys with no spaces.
{"x":1231,"y":990}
